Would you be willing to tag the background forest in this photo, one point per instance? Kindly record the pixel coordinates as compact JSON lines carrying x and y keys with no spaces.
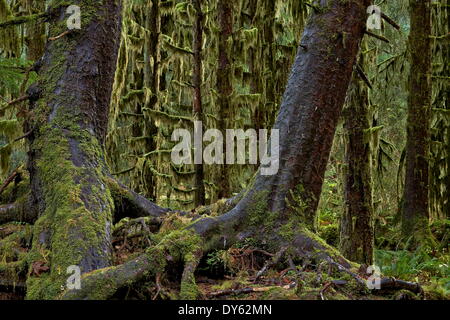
{"x":226,"y":63}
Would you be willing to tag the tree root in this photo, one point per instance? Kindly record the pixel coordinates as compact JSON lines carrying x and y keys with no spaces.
{"x":189,"y":289}
{"x":19,"y":211}
{"x":129,"y":204}
{"x":178,"y":246}
{"x":202,"y":235}
{"x":7,"y":285}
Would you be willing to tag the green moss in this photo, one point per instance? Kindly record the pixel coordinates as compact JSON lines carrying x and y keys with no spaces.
{"x":189,"y":289}
{"x":78,"y":205}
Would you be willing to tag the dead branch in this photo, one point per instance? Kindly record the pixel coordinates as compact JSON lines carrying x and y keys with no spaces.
{"x":325,"y":287}
{"x":24,"y":19}
{"x":247,"y":290}
{"x":377,"y":36}
{"x":390,"y":21}
{"x":59,"y":36}
{"x":363,"y":76}
{"x":13,"y":175}
{"x":276,"y":258}
{"x":19,"y":211}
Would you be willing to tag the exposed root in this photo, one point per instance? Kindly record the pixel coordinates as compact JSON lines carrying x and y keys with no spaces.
{"x":189,"y":289}
{"x":187,"y":246}
{"x":20,"y":211}
{"x":10,"y":179}
{"x":8,"y":285}
{"x":129,"y":204}
{"x":175,"y":247}
{"x":276,"y":259}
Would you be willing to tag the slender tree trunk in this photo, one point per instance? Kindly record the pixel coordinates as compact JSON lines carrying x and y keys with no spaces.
{"x":35,"y":38}
{"x":356,"y":238}
{"x":440,"y":164}
{"x":415,"y":213}
{"x":199,"y":197}
{"x":224,"y":77}
{"x":66,"y":162}
{"x":152,"y":58}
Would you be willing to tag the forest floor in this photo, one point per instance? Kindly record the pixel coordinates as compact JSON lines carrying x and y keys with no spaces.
{"x":244,"y":272}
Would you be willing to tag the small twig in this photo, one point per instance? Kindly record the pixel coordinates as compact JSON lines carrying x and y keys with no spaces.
{"x":363,"y":76}
{"x":13,"y":102}
{"x":249,"y":290}
{"x":9,"y":179}
{"x":24,"y":136}
{"x":147,"y":231}
{"x":158,"y":286}
{"x":390,"y":21}
{"x":325,"y":287}
{"x":377,"y":36}
{"x":59,"y":36}
{"x":270,"y":263}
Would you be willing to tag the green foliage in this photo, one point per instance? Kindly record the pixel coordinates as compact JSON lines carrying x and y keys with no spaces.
{"x":422,"y":265}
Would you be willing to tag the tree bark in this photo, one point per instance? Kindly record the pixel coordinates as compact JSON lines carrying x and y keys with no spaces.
{"x":307,"y":121}
{"x":415,"y":213}
{"x":224,"y":86}
{"x":356,"y":234}
{"x":199,"y":197}
{"x":68,"y":175}
{"x":440,"y":164}
{"x":35,"y":32}
{"x":76,"y":198}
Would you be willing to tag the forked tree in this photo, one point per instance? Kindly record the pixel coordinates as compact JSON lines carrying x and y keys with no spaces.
{"x":74,"y":201}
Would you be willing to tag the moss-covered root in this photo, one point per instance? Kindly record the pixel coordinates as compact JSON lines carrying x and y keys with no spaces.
{"x":189,"y":289}
{"x":19,"y":211}
{"x":103,"y":283}
{"x":129,"y":204}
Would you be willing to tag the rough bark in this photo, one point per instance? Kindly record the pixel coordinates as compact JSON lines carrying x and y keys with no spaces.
{"x":224,"y":86}
{"x":356,"y":234}
{"x":35,"y":39}
{"x":307,"y":121}
{"x":76,"y":197}
{"x":66,"y":164}
{"x":440,"y":164}
{"x":199,"y":197}
{"x":152,"y":58}
{"x":415,"y":213}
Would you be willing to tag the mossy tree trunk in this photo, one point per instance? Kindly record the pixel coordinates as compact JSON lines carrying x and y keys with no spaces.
{"x":66,"y":161}
{"x":199,"y":197}
{"x":440,"y":164}
{"x":35,"y":38}
{"x":356,"y":226}
{"x":306,"y":122}
{"x":415,"y":213}
{"x":224,"y":76}
{"x":77,"y":200}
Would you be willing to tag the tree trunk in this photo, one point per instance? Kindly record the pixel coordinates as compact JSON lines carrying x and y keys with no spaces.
{"x":224,"y":86}
{"x":440,"y":164}
{"x":35,"y":32}
{"x":356,"y":234}
{"x":307,"y":121}
{"x":66,"y":162}
{"x":199,"y":197}
{"x":415,"y":212}
{"x":77,"y":201}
